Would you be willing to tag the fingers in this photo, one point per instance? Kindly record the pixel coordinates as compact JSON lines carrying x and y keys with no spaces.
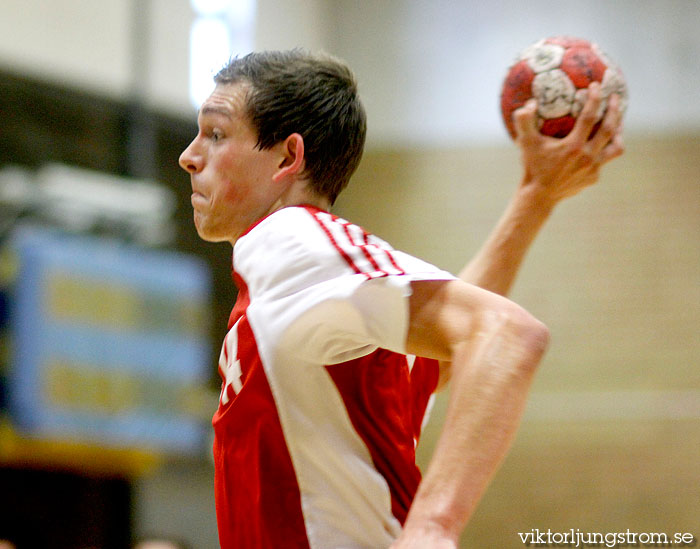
{"x":524,"y":120}
{"x":588,"y":117}
{"x":607,"y":143}
{"x":610,"y":125}
{"x":615,"y":148}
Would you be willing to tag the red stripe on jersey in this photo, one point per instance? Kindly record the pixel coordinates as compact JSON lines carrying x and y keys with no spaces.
{"x":424,"y":380}
{"x":353,"y":253}
{"x":376,"y":391}
{"x":346,"y":226}
{"x":340,"y":250}
{"x":393,"y":261}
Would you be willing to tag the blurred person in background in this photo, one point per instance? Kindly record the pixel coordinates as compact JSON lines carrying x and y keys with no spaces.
{"x":161,"y":542}
{"x":337,"y":341}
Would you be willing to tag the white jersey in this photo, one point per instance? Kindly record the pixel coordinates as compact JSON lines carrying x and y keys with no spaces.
{"x":320,"y":409}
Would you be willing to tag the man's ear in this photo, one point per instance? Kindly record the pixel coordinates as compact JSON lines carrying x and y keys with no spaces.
{"x":292,"y":162}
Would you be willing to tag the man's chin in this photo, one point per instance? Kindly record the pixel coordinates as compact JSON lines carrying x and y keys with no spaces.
{"x":209,"y":236}
{"x":209,"y":233}
{"x":206,"y":236}
{"x":201,"y":229}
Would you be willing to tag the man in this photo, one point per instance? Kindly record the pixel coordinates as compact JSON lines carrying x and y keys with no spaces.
{"x":323,"y":397}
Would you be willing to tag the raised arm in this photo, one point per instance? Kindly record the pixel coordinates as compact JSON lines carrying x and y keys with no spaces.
{"x":553,"y":169}
{"x":494,"y":347}
{"x":487,"y":345}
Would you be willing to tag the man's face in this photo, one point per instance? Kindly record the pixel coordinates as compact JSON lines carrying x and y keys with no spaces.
{"x":231,"y":179}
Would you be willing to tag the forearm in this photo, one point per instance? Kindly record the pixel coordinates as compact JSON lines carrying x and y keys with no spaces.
{"x":492,"y":373}
{"x":496,"y":264}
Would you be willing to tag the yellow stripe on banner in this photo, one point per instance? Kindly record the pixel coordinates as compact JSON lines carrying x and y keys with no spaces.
{"x":194,"y":318}
{"x":116,"y":306}
{"x":89,"y":389}
{"x":20,"y":451}
{"x":94,"y":302}
{"x":9,"y":266}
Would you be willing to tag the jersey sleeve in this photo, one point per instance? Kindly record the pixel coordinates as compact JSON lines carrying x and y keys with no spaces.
{"x":325,"y":289}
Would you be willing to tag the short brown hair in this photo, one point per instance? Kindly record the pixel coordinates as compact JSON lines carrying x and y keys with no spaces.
{"x":314,"y":95}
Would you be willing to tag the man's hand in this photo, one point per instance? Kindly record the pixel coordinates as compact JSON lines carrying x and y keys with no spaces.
{"x":554,"y":168}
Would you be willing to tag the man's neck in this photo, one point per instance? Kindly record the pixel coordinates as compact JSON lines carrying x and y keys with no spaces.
{"x":300,"y":194}
{"x":297,"y":195}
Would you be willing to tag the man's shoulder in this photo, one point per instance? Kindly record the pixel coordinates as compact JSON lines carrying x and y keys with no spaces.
{"x":297,"y":247}
{"x":312,"y":233}
{"x":291,"y":234}
{"x":298,"y":222}
{"x":292,"y":248}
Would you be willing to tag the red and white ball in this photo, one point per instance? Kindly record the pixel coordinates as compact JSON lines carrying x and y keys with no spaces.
{"x":556,"y":71}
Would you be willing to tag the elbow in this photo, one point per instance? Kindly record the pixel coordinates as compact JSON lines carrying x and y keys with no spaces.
{"x":533,"y":331}
{"x":515,"y":339}
{"x":532,"y":335}
{"x":504,"y":349}
{"x":538,"y":338}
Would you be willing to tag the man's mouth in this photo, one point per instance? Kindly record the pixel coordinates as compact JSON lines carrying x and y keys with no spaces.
{"x":198,"y":199}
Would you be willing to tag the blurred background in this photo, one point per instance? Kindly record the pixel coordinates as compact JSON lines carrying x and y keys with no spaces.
{"x":112,"y":310}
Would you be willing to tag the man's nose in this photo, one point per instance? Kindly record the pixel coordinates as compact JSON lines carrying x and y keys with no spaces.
{"x":190,"y":160}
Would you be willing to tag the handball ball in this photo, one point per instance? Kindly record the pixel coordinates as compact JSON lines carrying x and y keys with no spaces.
{"x":556,"y":72}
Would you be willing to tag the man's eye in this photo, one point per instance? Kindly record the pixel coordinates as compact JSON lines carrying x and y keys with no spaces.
{"x":215,"y":136}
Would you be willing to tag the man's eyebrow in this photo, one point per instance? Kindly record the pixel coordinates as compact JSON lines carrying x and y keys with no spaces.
{"x":214,"y":109}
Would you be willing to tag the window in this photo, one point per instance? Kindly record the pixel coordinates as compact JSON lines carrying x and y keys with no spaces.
{"x":221,"y":29}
